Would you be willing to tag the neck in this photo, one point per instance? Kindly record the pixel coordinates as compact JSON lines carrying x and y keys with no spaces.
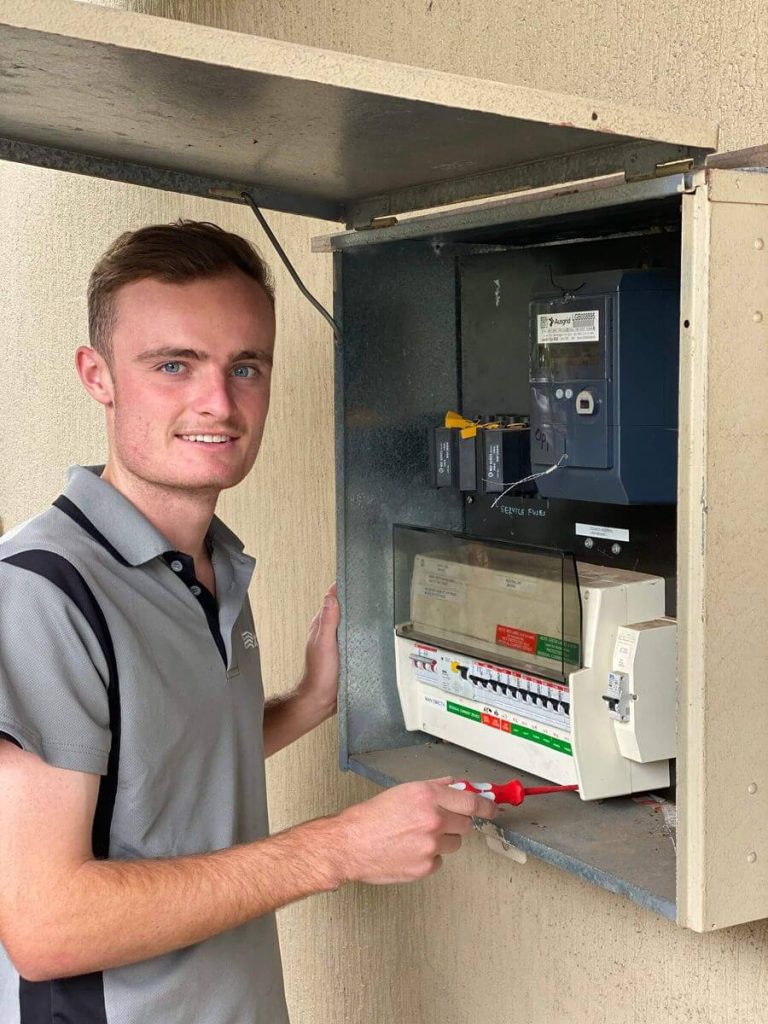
{"x":183,"y":516}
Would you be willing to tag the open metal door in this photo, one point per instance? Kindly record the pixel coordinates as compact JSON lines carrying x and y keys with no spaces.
{"x":193,"y":109}
{"x":723,"y":553}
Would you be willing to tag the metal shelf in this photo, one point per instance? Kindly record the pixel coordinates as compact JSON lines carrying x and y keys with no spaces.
{"x":623,"y":845}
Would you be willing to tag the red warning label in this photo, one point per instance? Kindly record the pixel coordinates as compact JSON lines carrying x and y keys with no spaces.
{"x":495,"y":723}
{"x":517,"y":639}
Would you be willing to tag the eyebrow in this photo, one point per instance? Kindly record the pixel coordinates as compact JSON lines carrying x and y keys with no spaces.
{"x":167,"y":352}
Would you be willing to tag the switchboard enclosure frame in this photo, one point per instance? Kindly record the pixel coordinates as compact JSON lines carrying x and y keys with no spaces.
{"x":713,"y":878}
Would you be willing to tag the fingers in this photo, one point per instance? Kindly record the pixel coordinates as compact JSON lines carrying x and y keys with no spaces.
{"x":314,"y":626}
{"x":485,"y":808}
{"x":456,"y":824}
{"x":463,"y":802}
{"x":437,"y":863}
{"x":330,"y":613}
{"x":326,"y":620}
{"x":448,"y":844}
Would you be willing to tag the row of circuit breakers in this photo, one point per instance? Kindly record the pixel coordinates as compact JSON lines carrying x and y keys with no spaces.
{"x":575,"y":683}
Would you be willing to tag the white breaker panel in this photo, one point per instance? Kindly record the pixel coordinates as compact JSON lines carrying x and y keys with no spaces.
{"x":609,"y":728}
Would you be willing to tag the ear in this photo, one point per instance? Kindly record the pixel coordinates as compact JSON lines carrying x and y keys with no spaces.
{"x":94,"y":372}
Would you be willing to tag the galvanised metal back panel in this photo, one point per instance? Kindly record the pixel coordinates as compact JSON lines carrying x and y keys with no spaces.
{"x":398,"y":364}
{"x":169,"y":104}
{"x":398,"y":370}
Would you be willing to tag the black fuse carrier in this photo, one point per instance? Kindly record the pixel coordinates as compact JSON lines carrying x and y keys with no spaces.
{"x":505,"y":459}
{"x":494,"y":454}
{"x":603,"y":380}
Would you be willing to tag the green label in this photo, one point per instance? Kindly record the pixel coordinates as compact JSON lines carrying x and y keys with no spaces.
{"x":459,"y":709}
{"x":539,"y":737}
{"x":553,"y":647}
{"x":522,"y":731}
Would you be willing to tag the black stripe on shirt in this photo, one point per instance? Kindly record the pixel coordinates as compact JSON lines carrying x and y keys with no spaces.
{"x":205,"y":597}
{"x":70,"y":509}
{"x":78,"y":1000}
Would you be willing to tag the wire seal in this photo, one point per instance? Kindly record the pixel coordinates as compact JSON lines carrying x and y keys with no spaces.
{"x":527,"y":479}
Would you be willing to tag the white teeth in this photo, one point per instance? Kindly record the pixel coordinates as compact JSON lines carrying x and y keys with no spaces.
{"x":208,"y":438}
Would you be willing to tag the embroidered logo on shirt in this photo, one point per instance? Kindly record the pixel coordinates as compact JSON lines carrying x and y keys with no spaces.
{"x":249,"y":639}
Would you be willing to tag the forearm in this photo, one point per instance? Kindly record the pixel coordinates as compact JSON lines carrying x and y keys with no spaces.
{"x":289,"y":717}
{"x":110,"y":913}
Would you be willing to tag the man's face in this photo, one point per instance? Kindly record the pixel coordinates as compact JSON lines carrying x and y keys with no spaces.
{"x":191,"y":368}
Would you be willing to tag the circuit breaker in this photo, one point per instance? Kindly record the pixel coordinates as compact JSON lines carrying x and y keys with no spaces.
{"x":509,"y":652}
{"x":641,"y":692}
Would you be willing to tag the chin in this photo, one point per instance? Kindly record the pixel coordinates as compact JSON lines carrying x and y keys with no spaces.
{"x":208,"y":481}
{"x":193,"y":479}
{"x":188,"y":471}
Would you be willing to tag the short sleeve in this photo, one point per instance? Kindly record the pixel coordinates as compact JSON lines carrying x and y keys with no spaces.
{"x":53,"y":674}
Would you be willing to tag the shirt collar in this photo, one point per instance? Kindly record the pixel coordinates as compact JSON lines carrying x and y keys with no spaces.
{"x":124,"y":526}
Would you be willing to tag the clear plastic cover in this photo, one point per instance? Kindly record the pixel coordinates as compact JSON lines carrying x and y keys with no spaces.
{"x":568,"y":339}
{"x":512,"y":605}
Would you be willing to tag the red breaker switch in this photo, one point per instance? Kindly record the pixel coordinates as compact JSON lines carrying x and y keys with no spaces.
{"x":512,"y":792}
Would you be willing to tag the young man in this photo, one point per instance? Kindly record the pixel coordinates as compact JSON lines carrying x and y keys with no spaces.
{"x":139,"y":879}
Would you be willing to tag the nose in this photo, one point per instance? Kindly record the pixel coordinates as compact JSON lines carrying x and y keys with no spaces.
{"x":213,"y":396}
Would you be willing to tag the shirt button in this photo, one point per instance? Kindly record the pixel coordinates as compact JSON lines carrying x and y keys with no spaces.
{"x":196,"y":590}
{"x":176,"y":565}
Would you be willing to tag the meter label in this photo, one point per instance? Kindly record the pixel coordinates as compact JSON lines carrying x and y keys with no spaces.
{"x":602,"y":532}
{"x":562,"y":328}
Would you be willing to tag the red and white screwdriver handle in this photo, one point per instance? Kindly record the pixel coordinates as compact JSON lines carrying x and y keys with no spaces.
{"x":512,"y":792}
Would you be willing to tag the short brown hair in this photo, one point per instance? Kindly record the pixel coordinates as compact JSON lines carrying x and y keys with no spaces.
{"x":184,"y":251}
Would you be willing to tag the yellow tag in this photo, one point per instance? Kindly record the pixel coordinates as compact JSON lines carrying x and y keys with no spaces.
{"x":456,"y":420}
{"x":468,"y":428}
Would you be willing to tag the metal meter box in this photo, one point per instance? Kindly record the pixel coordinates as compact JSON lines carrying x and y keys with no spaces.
{"x":603,"y":373}
{"x":684,"y":227}
{"x":574,"y":187}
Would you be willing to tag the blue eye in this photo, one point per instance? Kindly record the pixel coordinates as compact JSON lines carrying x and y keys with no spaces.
{"x":245,"y":372}
{"x":172,"y":368}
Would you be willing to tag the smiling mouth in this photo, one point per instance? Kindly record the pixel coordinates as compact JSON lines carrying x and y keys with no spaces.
{"x":212,"y":440}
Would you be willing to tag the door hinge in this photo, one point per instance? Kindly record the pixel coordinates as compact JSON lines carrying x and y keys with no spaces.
{"x":659,"y":170}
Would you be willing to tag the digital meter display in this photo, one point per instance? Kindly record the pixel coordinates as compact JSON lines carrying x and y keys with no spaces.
{"x":569,"y":361}
{"x":568,"y":340}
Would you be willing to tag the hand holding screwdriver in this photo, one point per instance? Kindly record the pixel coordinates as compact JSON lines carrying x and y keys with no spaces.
{"x":403,"y":833}
{"x":512,"y":792}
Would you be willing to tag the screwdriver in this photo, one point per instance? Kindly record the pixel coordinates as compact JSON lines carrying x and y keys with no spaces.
{"x":512,"y":792}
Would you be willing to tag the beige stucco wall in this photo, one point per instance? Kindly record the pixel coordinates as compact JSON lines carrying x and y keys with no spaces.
{"x":485,"y":940}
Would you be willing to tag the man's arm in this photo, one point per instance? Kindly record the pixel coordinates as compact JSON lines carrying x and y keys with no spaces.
{"x":63,"y":913}
{"x":314,"y":699}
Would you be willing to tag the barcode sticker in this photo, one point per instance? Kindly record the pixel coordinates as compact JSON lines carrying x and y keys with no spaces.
{"x":560,"y":328}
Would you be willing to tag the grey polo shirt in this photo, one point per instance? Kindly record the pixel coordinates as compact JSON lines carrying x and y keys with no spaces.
{"x":115,"y":660}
